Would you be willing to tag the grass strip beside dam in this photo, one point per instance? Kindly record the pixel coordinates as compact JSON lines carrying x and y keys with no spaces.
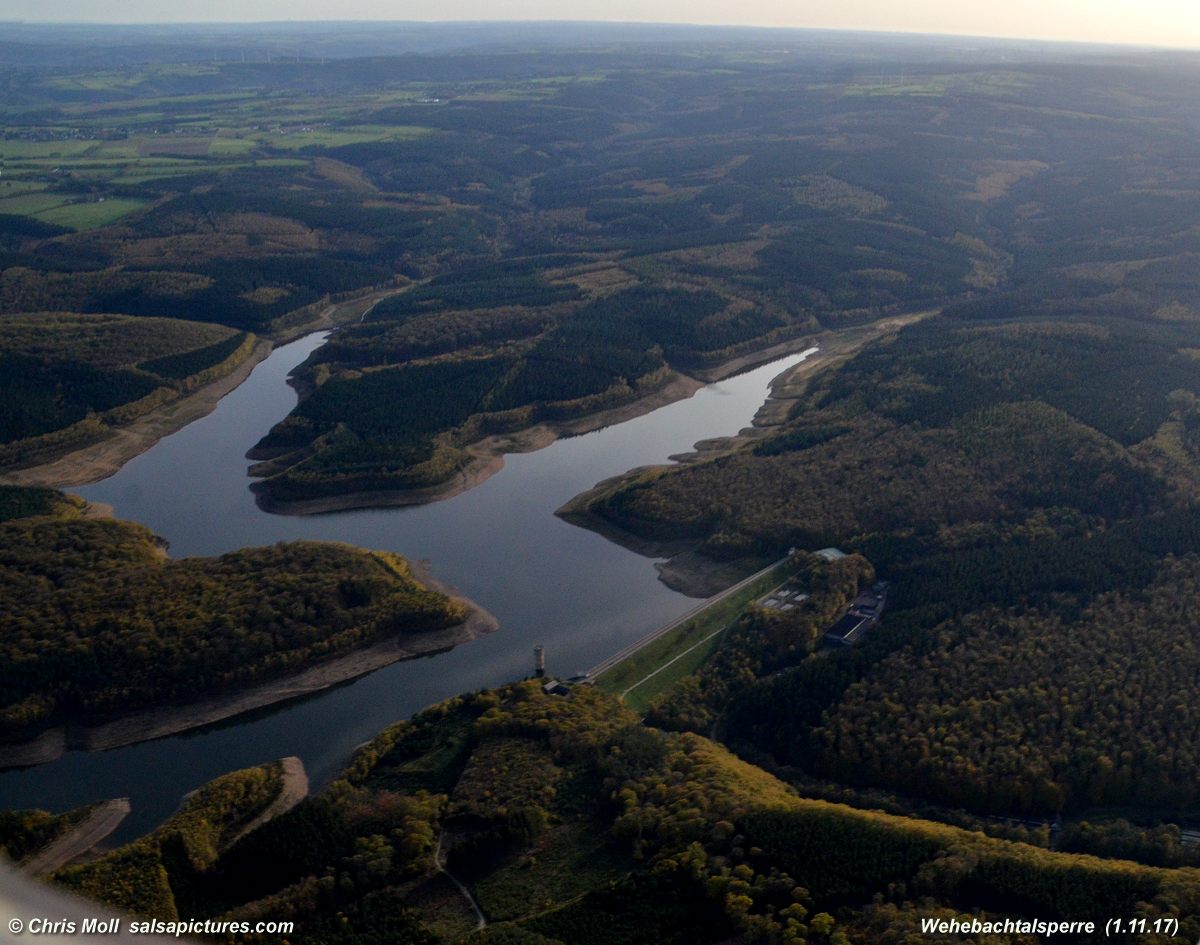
{"x":647,"y":668}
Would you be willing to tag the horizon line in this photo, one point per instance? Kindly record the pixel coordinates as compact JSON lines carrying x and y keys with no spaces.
{"x":861,"y":30}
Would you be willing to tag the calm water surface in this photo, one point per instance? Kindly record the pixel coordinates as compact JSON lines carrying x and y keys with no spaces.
{"x":499,"y":544}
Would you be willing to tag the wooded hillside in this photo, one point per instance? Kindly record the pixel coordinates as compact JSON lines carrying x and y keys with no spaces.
{"x":98,"y":621}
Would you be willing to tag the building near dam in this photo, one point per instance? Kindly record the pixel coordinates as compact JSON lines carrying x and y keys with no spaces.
{"x":864,"y":613}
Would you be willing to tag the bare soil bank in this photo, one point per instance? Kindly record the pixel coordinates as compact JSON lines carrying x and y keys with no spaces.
{"x":83,"y":839}
{"x":686,"y":570}
{"x":169,"y":720}
{"x":487,"y":455}
{"x":293,"y":790}
{"x":100,"y":460}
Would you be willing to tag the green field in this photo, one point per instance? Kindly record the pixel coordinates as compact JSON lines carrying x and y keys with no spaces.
{"x":684,"y":649}
{"x":215,"y":143}
{"x":33,"y":203}
{"x":68,"y":210}
{"x":88,"y":216}
{"x":16,"y":188}
{"x":23,"y":150}
{"x":224,"y":145}
{"x":154,"y":172}
{"x":340,"y":137}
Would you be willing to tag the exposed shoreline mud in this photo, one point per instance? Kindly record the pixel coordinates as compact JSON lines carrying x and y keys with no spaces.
{"x":105,"y":457}
{"x":685,"y":569}
{"x":161,"y":721}
{"x":487,"y":455}
{"x":99,"y":460}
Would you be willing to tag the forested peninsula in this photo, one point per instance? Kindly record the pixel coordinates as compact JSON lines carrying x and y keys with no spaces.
{"x":107,"y":641}
{"x":98,"y":389}
{"x":995,"y":248}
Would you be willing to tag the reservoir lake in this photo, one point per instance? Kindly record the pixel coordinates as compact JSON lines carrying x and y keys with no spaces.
{"x":499,"y":544}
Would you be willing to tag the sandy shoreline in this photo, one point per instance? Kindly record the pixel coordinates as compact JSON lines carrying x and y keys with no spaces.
{"x":162,"y":721}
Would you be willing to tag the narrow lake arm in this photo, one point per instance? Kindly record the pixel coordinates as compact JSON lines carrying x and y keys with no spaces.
{"x":482,"y":458}
{"x":410,"y":407}
{"x":90,"y":392}
{"x":686,"y":568}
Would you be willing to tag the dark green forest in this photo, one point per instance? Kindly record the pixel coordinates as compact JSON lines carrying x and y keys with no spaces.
{"x":1025,"y":477}
{"x":570,"y":230}
{"x":67,"y":380}
{"x":24,"y":832}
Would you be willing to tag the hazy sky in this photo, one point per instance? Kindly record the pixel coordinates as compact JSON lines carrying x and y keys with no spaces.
{"x":1158,"y":22}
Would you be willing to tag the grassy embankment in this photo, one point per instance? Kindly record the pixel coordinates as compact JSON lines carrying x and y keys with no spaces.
{"x":679,"y":652}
